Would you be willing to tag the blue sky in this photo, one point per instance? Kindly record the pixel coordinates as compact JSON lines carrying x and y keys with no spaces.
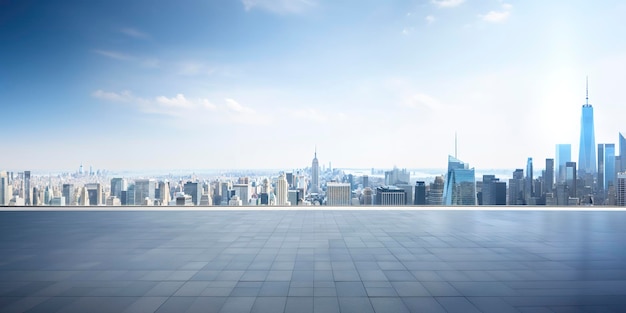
{"x":260,"y":83}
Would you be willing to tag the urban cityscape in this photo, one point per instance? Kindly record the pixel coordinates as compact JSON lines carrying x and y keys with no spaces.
{"x":598,"y":178}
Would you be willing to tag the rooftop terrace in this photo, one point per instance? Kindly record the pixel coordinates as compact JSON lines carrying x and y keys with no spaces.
{"x":334,"y":260}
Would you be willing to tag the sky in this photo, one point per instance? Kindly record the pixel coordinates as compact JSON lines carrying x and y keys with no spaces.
{"x":233,"y":84}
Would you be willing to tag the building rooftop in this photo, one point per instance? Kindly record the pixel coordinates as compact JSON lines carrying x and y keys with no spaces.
{"x":331,"y":260}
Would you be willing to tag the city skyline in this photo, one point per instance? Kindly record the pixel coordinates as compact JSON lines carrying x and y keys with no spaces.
{"x":258,"y":84}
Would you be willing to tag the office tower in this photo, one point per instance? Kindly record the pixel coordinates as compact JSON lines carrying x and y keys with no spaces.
{"x":315,"y":174}
{"x":621,"y":189}
{"x":366,"y":181}
{"x":94,"y":193}
{"x":4,"y":189}
{"x":164,"y":192}
{"x":367,"y":198}
{"x":57,"y":201}
{"x":27,"y":189}
{"x":528,"y":183}
{"x":83,"y":198}
{"x":622,"y":153}
{"x":293,"y":197}
{"x":420,"y":193}
{"x":282,"y":187}
{"x":113,"y":201}
{"x":563,"y":155}
{"x":570,"y":178}
{"x":68,"y":194}
{"x":516,"y":188}
{"x":488,"y":189}
{"x":338,"y":194}
{"x":408,"y":192}
{"x":435,"y":192}
{"x":606,"y":166}
{"x":289,"y":177}
{"x":460,"y":187}
{"x":145,"y":189}
{"x":194,"y":190}
{"x":390,"y":196}
{"x":242,"y":191}
{"x":396,"y":177}
{"x":130,"y":195}
{"x":587,"y":151}
{"x":548,"y":176}
{"x":117,"y":186}
{"x":205,"y":200}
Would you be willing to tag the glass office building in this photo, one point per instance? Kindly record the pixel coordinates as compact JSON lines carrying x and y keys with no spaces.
{"x":460,"y":187}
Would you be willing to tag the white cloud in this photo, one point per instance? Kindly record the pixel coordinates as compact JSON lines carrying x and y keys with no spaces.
{"x":498,"y":16}
{"x":236,"y":107}
{"x":207,"y":104}
{"x":279,"y":6}
{"x":430,"y":19}
{"x":124,"y":96}
{"x":447,"y":3}
{"x":114,"y":55}
{"x":179,"y":101}
{"x":132,"y":32}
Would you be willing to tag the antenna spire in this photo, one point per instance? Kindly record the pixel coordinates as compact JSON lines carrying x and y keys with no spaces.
{"x":587,"y":89}
{"x":315,"y":152}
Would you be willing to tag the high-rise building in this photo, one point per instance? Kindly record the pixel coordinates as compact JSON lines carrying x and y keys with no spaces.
{"x":68,"y":194}
{"x":130,"y":195}
{"x":528,"y":183}
{"x":622,"y":153}
{"x":164,"y":192}
{"x":366,"y":181}
{"x":516,"y":188}
{"x":315,"y":174}
{"x":620,"y":191}
{"x":117,"y":186}
{"x":460,"y":187}
{"x":243,"y":193}
{"x":570,"y":178}
{"x":420,"y":193}
{"x":194,"y":189}
{"x":488,"y":189}
{"x":338,"y":194}
{"x":27,"y":189}
{"x":390,"y":196}
{"x":282,"y":188}
{"x":606,"y":166}
{"x":94,"y":194}
{"x":435,"y":192}
{"x":4,"y":189}
{"x":563,"y":155}
{"x":145,"y":188}
{"x":587,"y":148}
{"x":548,"y":176}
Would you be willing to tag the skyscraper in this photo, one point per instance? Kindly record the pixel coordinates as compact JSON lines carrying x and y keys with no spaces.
{"x":621,"y":189}
{"x":570,"y":178}
{"x":587,"y":151}
{"x":27,"y":189}
{"x":194,"y":189}
{"x":420,"y":193}
{"x":548,"y":176}
{"x":460,"y":186}
{"x":68,"y":194}
{"x":282,"y":188}
{"x":622,"y":153}
{"x":4,"y":189}
{"x":606,"y":166}
{"x":144,"y":188}
{"x":563,"y":155}
{"x":528,"y":183}
{"x":315,"y":174}
{"x":516,"y":188}
{"x":338,"y":194}
{"x":117,"y":186}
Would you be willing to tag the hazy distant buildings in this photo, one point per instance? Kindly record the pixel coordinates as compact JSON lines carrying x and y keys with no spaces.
{"x":397,"y":177}
{"x":338,"y":194}
{"x":587,"y":147}
{"x":460,"y":187}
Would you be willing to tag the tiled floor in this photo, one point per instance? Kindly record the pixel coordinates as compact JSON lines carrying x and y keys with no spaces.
{"x":313,"y":261}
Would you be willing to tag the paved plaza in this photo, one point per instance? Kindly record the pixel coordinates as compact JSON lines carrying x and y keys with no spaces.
{"x":313,"y":261}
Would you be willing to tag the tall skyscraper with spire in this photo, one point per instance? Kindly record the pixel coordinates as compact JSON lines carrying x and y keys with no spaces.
{"x":587,"y":148}
{"x":315,"y":174}
{"x":622,"y":154}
